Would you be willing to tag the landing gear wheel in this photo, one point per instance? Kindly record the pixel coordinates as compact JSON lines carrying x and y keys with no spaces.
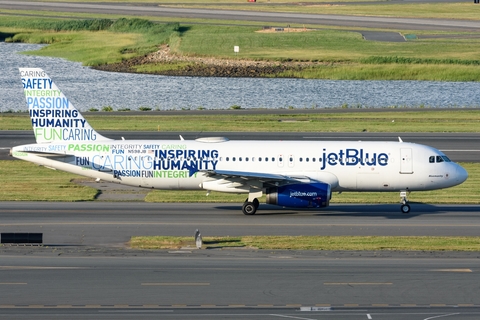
{"x":249,"y":208}
{"x":256,"y":203}
{"x":405,"y":208}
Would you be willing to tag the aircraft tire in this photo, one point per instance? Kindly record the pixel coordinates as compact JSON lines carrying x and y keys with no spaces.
{"x":405,"y":208}
{"x":256,"y":203}
{"x":249,"y":208}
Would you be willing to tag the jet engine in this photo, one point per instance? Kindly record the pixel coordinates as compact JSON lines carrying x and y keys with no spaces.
{"x":302,"y":195}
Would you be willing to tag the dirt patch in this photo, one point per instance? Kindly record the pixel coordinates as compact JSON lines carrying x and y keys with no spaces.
{"x":205,"y":66}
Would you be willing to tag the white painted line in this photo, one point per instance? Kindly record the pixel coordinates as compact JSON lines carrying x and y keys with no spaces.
{"x":289,"y":317}
{"x":461,"y":150}
{"x":369,"y":316}
{"x":442,"y":315}
{"x":315,"y":308}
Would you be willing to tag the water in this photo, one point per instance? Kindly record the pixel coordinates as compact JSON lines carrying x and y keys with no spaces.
{"x":87,"y":88}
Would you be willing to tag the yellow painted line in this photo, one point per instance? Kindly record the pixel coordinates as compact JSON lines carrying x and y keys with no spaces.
{"x":236,"y":305}
{"x":438,"y":305}
{"x":408,"y":305}
{"x":379,"y":305}
{"x":453,"y":270}
{"x":179,"y":305}
{"x":121,"y":306}
{"x":265,"y":305}
{"x":175,"y":284}
{"x":293,"y":305}
{"x":357,"y":283}
{"x":323,"y":305}
{"x":12,"y":283}
{"x":92,"y":306}
{"x":351,"y":305}
{"x":208,"y":305}
{"x":150,"y":306}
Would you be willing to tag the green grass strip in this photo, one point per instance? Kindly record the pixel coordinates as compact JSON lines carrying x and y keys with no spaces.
{"x":438,"y":120}
{"x":348,"y":243}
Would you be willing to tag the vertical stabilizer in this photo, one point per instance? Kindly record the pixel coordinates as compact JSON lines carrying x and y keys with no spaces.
{"x":54,"y":118}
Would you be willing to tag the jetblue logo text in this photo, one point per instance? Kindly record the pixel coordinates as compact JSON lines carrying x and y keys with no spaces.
{"x":353,"y":157}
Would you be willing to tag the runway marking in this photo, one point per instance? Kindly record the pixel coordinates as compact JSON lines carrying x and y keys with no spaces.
{"x":461,"y":150}
{"x":443,"y":315}
{"x":369,"y":316}
{"x":289,"y":317}
{"x":452,"y":270}
{"x":12,"y":283}
{"x":175,"y":284}
{"x":357,"y":283}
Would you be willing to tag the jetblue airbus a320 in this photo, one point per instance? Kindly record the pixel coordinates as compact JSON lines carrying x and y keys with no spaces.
{"x":298,"y":174}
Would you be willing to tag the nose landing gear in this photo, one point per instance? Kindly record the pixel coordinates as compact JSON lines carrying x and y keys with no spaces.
{"x":405,"y":207}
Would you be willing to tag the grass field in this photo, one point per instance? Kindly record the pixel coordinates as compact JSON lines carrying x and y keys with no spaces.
{"x":329,"y":51}
{"x":459,"y":120}
{"x":371,"y":243}
{"x":34,"y":183}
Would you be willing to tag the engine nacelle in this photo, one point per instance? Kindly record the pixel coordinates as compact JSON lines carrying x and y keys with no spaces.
{"x":302,"y":195}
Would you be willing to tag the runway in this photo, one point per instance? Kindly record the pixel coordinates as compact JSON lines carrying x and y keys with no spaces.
{"x":84,"y":269}
{"x":243,"y":15}
{"x":112,"y":224}
{"x":459,"y":147}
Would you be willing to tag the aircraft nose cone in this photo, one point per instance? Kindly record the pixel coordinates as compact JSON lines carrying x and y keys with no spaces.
{"x":461,"y":174}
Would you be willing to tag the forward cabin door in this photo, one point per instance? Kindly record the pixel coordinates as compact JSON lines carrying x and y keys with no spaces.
{"x":406,"y":161}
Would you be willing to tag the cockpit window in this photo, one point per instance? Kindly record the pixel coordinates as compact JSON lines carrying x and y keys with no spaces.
{"x":438,"y":159}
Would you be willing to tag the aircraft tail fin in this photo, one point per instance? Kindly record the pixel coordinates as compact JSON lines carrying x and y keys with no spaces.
{"x":53,"y":116}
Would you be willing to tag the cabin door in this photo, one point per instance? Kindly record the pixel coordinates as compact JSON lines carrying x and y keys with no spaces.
{"x":406,"y":161}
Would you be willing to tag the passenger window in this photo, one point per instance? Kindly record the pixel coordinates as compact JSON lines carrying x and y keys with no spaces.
{"x":233,"y":159}
{"x":431,"y":159}
{"x":260,"y":159}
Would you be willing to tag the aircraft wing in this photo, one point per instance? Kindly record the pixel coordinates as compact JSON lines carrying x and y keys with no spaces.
{"x":258,"y":176}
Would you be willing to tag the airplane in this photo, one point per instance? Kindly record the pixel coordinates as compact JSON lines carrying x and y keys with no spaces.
{"x":297,"y":174}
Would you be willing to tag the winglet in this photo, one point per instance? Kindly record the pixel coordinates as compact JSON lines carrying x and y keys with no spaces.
{"x":54,"y":118}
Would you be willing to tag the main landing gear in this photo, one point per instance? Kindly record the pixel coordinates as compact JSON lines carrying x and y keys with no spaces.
{"x":249,"y":208}
{"x":405,"y":207}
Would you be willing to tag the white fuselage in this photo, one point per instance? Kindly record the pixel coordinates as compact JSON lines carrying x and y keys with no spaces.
{"x":346,"y":166}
